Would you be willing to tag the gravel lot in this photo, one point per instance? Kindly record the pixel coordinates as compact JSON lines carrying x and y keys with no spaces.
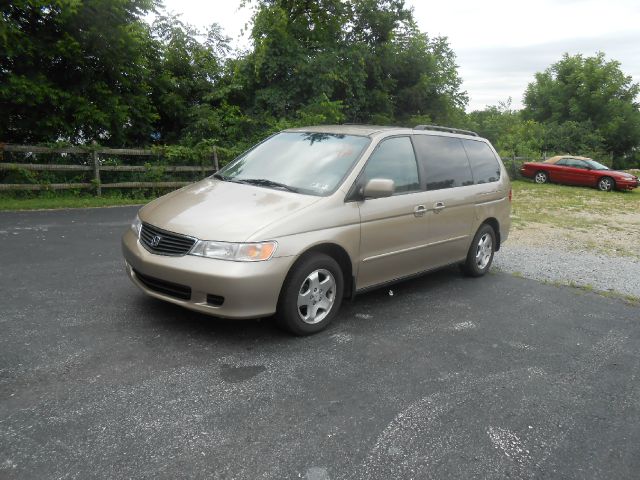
{"x":569,"y":267}
{"x":574,"y":236}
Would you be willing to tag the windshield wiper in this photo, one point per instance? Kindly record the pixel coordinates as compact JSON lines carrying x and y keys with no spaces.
{"x":219,"y":177}
{"x":262,"y":182}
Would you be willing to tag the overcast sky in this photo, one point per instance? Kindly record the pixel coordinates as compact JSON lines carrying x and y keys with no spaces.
{"x":499,"y":44}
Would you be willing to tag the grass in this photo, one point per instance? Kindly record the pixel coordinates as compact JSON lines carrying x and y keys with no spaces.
{"x":67,"y":201}
{"x":555,"y":204}
{"x":585,"y":217}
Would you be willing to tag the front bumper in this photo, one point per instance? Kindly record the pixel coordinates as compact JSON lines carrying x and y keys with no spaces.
{"x":525,"y":173}
{"x":249,"y":289}
{"x":627,"y":184}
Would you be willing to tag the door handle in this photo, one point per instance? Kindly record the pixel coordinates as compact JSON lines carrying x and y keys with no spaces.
{"x":419,"y":210}
{"x":438,"y":206}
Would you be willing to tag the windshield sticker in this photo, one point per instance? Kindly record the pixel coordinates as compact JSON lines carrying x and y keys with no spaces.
{"x":322,"y":187}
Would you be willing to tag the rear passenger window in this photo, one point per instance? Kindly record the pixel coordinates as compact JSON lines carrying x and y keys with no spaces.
{"x":445,"y":161}
{"x":484,"y":163}
{"x":394,"y":159}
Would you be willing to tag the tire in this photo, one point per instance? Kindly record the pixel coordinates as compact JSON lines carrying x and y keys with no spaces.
{"x":311,"y":295}
{"x":606,"y":184}
{"x":480,"y":255}
{"x":541,"y":177}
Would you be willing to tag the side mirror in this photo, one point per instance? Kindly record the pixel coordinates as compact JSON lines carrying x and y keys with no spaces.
{"x":378,"y":188}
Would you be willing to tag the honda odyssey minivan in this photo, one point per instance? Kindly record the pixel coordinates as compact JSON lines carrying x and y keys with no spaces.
{"x":311,"y":216}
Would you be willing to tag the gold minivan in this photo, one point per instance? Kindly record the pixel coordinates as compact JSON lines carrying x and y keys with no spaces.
{"x":311,"y":216}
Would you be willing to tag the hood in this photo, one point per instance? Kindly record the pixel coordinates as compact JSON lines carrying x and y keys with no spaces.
{"x":217,"y":210}
{"x":619,"y":174}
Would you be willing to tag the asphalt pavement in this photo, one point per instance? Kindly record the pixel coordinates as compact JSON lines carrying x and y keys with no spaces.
{"x":447,"y":377}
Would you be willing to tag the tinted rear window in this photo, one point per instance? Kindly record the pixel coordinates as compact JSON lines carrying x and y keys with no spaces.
{"x":484,"y":163}
{"x":444,"y":160}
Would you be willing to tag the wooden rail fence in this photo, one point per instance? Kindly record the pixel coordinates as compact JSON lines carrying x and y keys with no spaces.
{"x":94,"y":165}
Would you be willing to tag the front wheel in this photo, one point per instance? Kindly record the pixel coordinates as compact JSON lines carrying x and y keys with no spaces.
{"x":311,"y":295}
{"x":541,"y":177}
{"x":606,"y":184}
{"x":481,"y":252}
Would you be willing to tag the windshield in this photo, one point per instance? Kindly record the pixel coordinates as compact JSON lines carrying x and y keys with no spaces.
{"x":596,"y":166}
{"x":311,"y":163}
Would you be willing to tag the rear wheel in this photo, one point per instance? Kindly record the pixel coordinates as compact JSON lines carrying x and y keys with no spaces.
{"x":311,"y":295}
{"x":480,"y":255}
{"x":541,"y":177}
{"x":606,"y":184}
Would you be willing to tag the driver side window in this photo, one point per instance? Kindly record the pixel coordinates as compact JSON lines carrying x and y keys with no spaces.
{"x":394,"y":159}
{"x":577,"y":164}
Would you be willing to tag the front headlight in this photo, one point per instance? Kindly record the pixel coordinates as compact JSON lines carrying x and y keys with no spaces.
{"x":238,"y":252}
{"x":136,"y":226}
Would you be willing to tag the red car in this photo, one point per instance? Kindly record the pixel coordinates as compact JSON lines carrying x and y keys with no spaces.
{"x":578,"y":171}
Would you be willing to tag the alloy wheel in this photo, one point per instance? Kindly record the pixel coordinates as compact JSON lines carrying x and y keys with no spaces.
{"x":541,"y":177}
{"x":484,"y":250}
{"x":605,"y":184}
{"x":316,"y":296}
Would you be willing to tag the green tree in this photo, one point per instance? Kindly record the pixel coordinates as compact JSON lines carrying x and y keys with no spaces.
{"x":83,"y":70}
{"x":185,"y":71}
{"x":508,"y":131}
{"x":578,"y":138}
{"x":75,"y":70}
{"x":361,"y":60}
{"x":494,"y":121}
{"x":592,"y":93}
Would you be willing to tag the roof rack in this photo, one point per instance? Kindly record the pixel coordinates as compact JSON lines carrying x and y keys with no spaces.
{"x":445,"y":129}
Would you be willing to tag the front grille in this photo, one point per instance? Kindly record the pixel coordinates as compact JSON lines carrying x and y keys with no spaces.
{"x":162,"y":242}
{"x":176,"y":290}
